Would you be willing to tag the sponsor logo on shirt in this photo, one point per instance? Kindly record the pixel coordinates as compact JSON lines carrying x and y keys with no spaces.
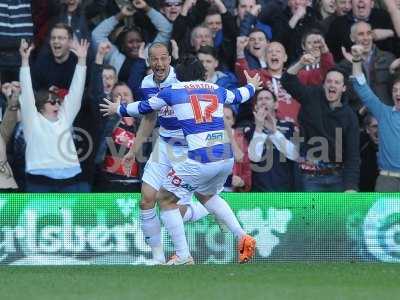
{"x":214,"y":137}
{"x":167,"y":111}
{"x":178,"y":182}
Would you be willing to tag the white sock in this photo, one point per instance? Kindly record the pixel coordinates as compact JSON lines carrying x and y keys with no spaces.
{"x":195,"y":211}
{"x":173,"y":222}
{"x":151,"y":227}
{"x":218,"y":207}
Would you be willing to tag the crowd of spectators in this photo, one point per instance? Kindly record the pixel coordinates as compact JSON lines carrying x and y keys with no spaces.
{"x":326,"y":119}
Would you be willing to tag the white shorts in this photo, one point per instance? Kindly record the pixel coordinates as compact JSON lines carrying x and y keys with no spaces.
{"x":162,"y":159}
{"x":190,"y":176}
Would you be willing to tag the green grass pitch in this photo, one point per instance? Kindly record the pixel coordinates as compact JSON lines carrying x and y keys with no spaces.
{"x":278,"y":281}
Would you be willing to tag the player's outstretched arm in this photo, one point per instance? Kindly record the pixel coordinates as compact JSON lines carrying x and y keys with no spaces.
{"x":109,"y":108}
{"x":135,"y":109}
{"x":145,"y":129}
{"x":244,"y":93}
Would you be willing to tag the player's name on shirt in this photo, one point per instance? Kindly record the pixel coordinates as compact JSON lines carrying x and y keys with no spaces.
{"x":199,"y":85}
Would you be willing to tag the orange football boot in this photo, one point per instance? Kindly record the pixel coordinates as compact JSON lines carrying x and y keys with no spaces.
{"x":246,"y":248}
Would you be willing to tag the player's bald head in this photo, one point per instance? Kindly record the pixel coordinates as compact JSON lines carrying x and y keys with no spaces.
{"x":159,"y":45}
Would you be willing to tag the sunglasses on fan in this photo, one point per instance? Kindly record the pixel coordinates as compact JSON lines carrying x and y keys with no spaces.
{"x":53,"y":99}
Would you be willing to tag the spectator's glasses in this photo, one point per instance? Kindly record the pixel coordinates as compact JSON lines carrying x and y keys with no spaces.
{"x":53,"y":100}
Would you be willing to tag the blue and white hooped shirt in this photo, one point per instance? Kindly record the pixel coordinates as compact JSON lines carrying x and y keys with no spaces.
{"x":169,"y":126}
{"x":198,"y":107}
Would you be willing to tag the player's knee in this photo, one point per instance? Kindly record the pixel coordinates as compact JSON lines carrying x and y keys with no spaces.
{"x":202,"y":198}
{"x":166,"y":200}
{"x":148,"y":200}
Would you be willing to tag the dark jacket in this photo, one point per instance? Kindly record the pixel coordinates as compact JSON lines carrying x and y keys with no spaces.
{"x":377,"y":75}
{"x":78,"y":21}
{"x":272,"y":174}
{"x":291,"y":38}
{"x":369,"y":165}
{"x":47,"y":72}
{"x":253,"y":62}
{"x":7,"y":126}
{"x":226,"y":80}
{"x":136,"y":75}
{"x":317,"y":120}
{"x":339,"y":32}
{"x":249,"y":22}
{"x":184,"y":25}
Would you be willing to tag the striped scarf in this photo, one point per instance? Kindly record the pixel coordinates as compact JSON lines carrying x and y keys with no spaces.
{"x":15,"y":21}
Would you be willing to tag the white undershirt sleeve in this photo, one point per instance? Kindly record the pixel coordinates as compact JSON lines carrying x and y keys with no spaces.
{"x":284,"y":145}
{"x":256,"y":146}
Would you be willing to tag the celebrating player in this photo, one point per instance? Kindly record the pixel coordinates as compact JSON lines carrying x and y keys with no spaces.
{"x":171,"y":142}
{"x":198,"y":106}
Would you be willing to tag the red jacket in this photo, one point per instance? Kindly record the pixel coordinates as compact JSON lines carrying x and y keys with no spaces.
{"x":316,"y":76}
{"x":242,"y":169}
{"x":288,"y":107}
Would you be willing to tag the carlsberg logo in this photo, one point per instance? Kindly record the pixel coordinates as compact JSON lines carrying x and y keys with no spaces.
{"x":67,"y":238}
{"x":52,"y":233}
